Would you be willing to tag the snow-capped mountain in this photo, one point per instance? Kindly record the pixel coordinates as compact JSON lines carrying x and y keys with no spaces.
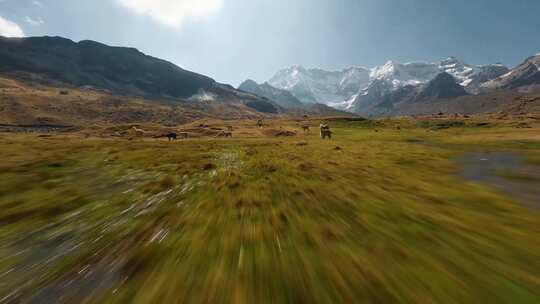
{"x":399,"y":75}
{"x":526,"y":74}
{"x":320,"y":86}
{"x":380,"y":99}
{"x":344,"y":89}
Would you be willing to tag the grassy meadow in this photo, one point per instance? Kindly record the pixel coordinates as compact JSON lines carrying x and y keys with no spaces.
{"x":376,"y":215}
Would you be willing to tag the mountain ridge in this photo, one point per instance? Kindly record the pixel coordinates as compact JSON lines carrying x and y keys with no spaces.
{"x":401,"y":83}
{"x":525,"y":74}
{"x":306,"y":86}
{"x":46,"y":63}
{"x":285,"y":99}
{"x":119,"y":69}
{"x":282,"y":97}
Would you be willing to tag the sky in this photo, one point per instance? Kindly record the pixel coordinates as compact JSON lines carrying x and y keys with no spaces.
{"x":233,"y":40}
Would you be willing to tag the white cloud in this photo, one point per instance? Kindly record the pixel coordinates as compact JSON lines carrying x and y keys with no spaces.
{"x":10,"y":28}
{"x":34,"y":22}
{"x":173,"y":13}
{"x":37,"y":3}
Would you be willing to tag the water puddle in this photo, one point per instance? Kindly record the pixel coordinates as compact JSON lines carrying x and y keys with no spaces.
{"x":506,"y":171}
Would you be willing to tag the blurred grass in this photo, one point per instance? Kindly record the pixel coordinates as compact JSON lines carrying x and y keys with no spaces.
{"x":383,"y":219}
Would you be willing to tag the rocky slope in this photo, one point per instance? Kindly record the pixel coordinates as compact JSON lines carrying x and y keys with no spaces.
{"x":89,"y":63}
{"x":23,"y":103}
{"x":443,"y":86}
{"x":526,"y":74}
{"x":60,"y":62}
{"x":281,"y":97}
{"x":381,"y":99}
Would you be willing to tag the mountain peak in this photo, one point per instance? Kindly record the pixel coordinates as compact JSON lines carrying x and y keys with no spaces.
{"x":451,"y":62}
{"x":248,"y":85}
{"x":443,"y":86}
{"x":281,"y":97}
{"x":249,"y":81}
{"x":298,"y":67}
{"x":451,"y":59}
{"x":444,"y":76}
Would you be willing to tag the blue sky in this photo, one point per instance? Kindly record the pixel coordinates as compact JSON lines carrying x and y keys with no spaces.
{"x":232,"y":40}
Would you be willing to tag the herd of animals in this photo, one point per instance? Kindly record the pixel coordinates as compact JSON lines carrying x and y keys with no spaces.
{"x":325,"y":132}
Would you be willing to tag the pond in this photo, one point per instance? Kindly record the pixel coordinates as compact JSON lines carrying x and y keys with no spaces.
{"x":506,"y":171}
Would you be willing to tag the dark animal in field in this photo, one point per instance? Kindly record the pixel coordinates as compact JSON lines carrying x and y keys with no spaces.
{"x":325,"y":131}
{"x":326,"y":134}
{"x":305,"y":128}
{"x":260,"y":123}
{"x":225,"y":134}
{"x":173,"y":136}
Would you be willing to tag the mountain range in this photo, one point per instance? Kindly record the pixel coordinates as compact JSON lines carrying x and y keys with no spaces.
{"x":282,"y":97}
{"x":387,"y":89}
{"x":98,"y":76}
{"x":525,"y":75}
{"x":359,"y":89}
{"x":138,"y":86}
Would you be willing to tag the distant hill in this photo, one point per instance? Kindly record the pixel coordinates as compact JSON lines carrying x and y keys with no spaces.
{"x":293,"y":105}
{"x":22,"y":103}
{"x":443,"y":86}
{"x":281,"y":97}
{"x":88,"y":63}
{"x":119,"y":71}
{"x":322,"y":110}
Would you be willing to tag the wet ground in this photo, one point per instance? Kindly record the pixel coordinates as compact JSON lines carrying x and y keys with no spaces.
{"x":505,"y":171}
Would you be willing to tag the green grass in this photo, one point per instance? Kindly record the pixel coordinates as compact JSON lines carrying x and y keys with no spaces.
{"x":384,"y":219}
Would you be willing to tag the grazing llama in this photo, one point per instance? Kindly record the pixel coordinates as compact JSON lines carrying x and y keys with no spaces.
{"x":325,"y":131}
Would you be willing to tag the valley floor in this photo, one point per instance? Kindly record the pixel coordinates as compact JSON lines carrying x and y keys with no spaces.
{"x":431,"y":212}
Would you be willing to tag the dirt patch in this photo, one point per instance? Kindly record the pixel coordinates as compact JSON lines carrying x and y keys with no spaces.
{"x":306,"y":166}
{"x":209,"y":166}
{"x":279,"y":133}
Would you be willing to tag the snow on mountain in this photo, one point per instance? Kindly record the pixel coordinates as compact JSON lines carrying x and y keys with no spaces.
{"x":340,"y":89}
{"x":525,"y":74}
{"x":399,"y":75}
{"x":344,"y":105}
{"x":462,"y":72}
{"x":317,"y":85}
